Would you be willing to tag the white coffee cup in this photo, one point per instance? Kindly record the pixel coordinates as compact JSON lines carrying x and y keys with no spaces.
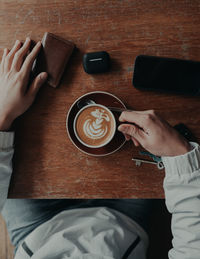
{"x":111,"y":135}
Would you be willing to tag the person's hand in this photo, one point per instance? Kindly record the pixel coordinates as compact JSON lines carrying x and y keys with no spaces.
{"x":15,"y":69}
{"x":153,"y":133}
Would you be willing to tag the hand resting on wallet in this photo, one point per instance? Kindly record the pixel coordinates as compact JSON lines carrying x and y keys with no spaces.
{"x":15,"y":68}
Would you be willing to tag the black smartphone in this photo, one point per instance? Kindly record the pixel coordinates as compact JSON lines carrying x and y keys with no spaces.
{"x":167,"y":75}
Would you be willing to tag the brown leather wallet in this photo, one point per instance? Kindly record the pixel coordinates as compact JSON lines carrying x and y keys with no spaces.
{"x":53,"y":57}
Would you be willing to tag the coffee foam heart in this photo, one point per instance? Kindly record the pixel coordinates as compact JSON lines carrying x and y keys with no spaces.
{"x":94,"y":127}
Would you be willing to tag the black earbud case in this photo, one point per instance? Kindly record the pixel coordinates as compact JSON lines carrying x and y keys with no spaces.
{"x":96,"y":62}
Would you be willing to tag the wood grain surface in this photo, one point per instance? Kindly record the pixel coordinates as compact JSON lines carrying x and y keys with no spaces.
{"x":46,"y":163}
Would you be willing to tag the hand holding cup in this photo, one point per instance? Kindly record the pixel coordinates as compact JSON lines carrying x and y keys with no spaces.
{"x":149,"y":130}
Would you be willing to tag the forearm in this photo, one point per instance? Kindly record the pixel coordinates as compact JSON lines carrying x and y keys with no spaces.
{"x":182,"y":192}
{"x":6,"y":155}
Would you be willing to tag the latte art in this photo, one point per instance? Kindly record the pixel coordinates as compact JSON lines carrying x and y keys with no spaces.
{"x":95,"y":125}
{"x":95,"y":128}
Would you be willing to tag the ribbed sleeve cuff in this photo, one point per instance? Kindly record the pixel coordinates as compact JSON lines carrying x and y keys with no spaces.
{"x":184,"y":164}
{"x":6,"y":139}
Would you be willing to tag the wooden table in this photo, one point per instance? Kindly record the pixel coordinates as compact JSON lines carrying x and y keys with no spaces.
{"x":46,"y":163}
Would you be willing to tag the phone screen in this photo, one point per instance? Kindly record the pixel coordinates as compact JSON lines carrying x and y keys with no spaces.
{"x":167,"y":74}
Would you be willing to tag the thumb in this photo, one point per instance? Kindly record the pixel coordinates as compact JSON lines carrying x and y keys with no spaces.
{"x":37,"y":83}
{"x":132,"y":131}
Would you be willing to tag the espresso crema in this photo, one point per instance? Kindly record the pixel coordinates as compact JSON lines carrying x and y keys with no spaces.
{"x":95,"y":126}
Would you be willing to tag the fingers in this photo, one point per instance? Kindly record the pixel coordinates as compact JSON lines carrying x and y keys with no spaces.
{"x":134,"y":132}
{"x":140,"y":118}
{"x":28,"y":63}
{"x":136,"y":143}
{"x":131,"y":116}
{"x":37,"y":83}
{"x":9,"y":57}
{"x":127,"y":137}
{"x":20,"y":54}
{"x":5,"y":53}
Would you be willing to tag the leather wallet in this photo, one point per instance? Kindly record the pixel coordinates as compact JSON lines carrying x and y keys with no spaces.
{"x":53,"y":57}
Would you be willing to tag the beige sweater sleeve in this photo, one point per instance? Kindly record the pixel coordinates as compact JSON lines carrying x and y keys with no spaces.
{"x":6,"y":155}
{"x":182,"y":192}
